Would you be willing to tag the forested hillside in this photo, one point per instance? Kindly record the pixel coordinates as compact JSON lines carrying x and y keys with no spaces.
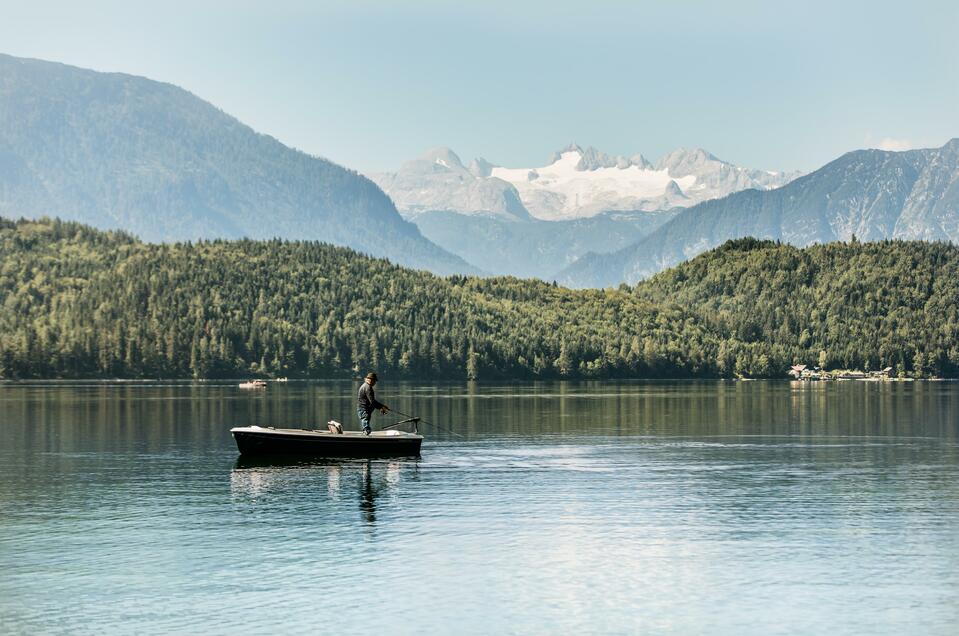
{"x":866,"y":305}
{"x":77,"y":302}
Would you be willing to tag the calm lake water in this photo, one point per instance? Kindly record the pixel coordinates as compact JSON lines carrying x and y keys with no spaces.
{"x":621,"y":507}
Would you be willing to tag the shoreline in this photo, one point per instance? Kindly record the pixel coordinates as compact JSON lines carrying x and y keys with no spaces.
{"x":233,"y":382}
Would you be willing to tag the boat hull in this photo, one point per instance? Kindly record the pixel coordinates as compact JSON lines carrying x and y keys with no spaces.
{"x":254,"y":440}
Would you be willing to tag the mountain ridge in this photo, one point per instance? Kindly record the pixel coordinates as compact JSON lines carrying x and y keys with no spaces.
{"x":451,"y":186}
{"x":577,"y":182}
{"x":122,"y":151}
{"x":870,"y":194}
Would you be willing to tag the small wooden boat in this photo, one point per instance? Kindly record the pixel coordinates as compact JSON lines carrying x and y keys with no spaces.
{"x":258,"y":440}
{"x":253,"y":384}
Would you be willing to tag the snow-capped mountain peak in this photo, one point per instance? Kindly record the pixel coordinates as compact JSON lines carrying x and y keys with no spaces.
{"x":438,"y":180}
{"x":442,"y":156}
{"x":577,"y":182}
{"x":580,"y":183}
{"x":688,"y":161}
{"x":592,"y":159}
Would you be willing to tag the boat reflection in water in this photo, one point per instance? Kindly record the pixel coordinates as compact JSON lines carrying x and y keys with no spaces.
{"x":265,"y":480}
{"x":368,"y":495}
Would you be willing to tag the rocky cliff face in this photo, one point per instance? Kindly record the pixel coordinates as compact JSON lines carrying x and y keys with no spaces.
{"x":930,"y":212}
{"x":438,"y":181}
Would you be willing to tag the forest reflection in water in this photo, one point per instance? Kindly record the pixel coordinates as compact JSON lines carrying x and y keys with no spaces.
{"x":102,"y":416}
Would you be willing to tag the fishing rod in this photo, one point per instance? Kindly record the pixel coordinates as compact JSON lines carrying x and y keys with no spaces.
{"x":420,"y":419}
{"x":414,"y":420}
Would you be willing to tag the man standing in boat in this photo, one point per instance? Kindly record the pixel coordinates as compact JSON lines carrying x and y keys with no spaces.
{"x":366,"y":402}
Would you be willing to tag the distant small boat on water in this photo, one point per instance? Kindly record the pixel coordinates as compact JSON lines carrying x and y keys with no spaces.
{"x":253,"y":384}
{"x":282,"y":380}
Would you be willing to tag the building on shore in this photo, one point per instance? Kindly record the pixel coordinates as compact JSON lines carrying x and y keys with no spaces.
{"x":805,"y":374}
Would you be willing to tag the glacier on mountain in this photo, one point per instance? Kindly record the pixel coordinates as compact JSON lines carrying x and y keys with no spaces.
{"x":584,"y":193}
{"x":576,"y":183}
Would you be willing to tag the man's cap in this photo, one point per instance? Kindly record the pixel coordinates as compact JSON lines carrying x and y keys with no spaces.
{"x":370,"y":376}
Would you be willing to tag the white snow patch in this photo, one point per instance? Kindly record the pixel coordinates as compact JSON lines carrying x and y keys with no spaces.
{"x":896,"y":145}
{"x":583,"y":188}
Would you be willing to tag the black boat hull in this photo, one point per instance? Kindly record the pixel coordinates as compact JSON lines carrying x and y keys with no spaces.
{"x":307,"y":443}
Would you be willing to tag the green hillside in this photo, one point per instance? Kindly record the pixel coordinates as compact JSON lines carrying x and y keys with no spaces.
{"x":77,"y":302}
{"x":867,"y":305}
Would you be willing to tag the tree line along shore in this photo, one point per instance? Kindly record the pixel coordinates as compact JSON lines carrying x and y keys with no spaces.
{"x":76,"y":302}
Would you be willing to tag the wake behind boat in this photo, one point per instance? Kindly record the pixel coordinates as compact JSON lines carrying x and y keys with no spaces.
{"x":258,"y":440}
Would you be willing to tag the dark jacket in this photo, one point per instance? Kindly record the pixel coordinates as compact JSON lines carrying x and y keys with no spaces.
{"x":366,"y":400}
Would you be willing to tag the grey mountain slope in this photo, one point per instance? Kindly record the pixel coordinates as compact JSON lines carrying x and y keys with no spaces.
{"x":931,"y":210}
{"x":534,"y":248}
{"x":871,"y":194}
{"x":438,"y":180}
{"x":120,"y":151}
{"x":592,"y":158}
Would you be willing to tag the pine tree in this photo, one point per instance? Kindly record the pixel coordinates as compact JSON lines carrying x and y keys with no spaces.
{"x":472,"y":365}
{"x":563,"y":362}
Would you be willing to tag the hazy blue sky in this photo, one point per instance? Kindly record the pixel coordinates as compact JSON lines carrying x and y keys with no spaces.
{"x":369,"y":84}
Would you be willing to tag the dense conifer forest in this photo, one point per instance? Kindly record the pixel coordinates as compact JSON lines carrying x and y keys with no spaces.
{"x":77,"y":302}
{"x":838,"y":305}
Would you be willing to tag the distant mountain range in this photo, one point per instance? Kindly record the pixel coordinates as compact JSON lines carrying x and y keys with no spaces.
{"x":123,"y":152}
{"x":869,"y":194}
{"x":536,"y":221}
{"x":534,"y":248}
{"x":119,"y":151}
{"x":576,"y":183}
